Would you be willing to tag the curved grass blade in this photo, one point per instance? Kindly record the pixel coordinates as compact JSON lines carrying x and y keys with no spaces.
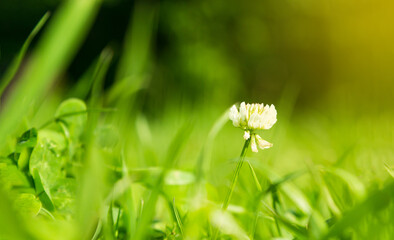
{"x":256,"y":180}
{"x":99,"y":74}
{"x":297,"y":230}
{"x":289,"y":190}
{"x":193,"y":228}
{"x":137,"y":48}
{"x":13,"y":69}
{"x":150,"y":204}
{"x":177,"y":217}
{"x":376,"y":201}
{"x":93,"y":75}
{"x":204,"y":161}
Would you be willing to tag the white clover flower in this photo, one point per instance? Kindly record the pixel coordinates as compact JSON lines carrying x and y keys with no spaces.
{"x":251,"y":117}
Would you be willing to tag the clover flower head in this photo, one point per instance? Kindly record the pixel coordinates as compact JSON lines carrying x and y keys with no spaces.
{"x":251,"y":117}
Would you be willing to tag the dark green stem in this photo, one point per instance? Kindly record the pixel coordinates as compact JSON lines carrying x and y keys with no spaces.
{"x":236,"y":174}
{"x":233,"y":182}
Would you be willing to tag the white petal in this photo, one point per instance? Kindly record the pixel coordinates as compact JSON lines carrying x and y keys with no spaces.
{"x":254,"y":108}
{"x":233,"y":112}
{"x":243,"y":114}
{"x":246,"y":135}
{"x":253,"y":144}
{"x":253,"y":122}
{"x":268,"y":117}
{"x":261,"y":108}
{"x":262,"y":143}
{"x":234,"y":116}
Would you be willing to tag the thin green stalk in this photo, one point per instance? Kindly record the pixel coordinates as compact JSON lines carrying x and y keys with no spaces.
{"x":177,"y":217}
{"x":256,"y":180}
{"x":14,"y":67}
{"x":275,"y":200}
{"x":233,"y":182}
{"x":59,"y":118}
{"x":254,"y":226}
{"x":235,"y":175}
{"x":260,"y":189}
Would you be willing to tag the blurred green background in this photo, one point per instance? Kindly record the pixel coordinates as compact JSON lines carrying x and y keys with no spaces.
{"x":334,"y":52}
{"x":326,"y":65}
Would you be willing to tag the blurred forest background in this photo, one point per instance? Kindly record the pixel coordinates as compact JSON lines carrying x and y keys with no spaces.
{"x":203,"y":52}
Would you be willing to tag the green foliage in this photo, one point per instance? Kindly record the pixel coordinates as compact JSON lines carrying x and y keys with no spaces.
{"x":71,"y":115}
{"x":100,"y":167}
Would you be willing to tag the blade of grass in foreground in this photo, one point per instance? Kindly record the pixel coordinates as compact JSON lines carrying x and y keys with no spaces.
{"x":377,"y":200}
{"x":192,"y":227}
{"x":287,"y":189}
{"x":273,"y":188}
{"x":204,"y":162}
{"x":11,"y":226}
{"x":90,"y":193}
{"x":13,"y":69}
{"x":297,"y":230}
{"x":94,"y":75}
{"x":99,"y":76}
{"x":150,"y":204}
{"x":53,"y":54}
{"x":132,"y":68}
{"x":177,"y":217}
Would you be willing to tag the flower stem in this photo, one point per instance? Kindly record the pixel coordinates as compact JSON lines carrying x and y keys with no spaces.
{"x":235,"y":175}
{"x":233,"y":183}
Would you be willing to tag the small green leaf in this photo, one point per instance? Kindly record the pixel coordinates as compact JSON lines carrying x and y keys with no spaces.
{"x":41,"y":192}
{"x":45,"y":160}
{"x":147,"y":176}
{"x":27,"y":204}
{"x":227,"y":224}
{"x":27,"y":140}
{"x":63,"y":196}
{"x":56,"y":139}
{"x":14,"y":157}
{"x":177,"y":177}
{"x":7,"y":160}
{"x":11,"y":177}
{"x":23,"y":160}
{"x":72,"y":113}
{"x":45,"y":167}
{"x":107,"y":137}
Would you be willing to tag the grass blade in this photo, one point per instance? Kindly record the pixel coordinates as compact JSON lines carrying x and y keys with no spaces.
{"x":150,"y":205}
{"x":178,"y":218}
{"x":377,"y":200}
{"x":14,"y":67}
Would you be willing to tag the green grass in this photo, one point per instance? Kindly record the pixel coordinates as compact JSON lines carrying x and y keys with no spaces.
{"x":95,"y":167}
